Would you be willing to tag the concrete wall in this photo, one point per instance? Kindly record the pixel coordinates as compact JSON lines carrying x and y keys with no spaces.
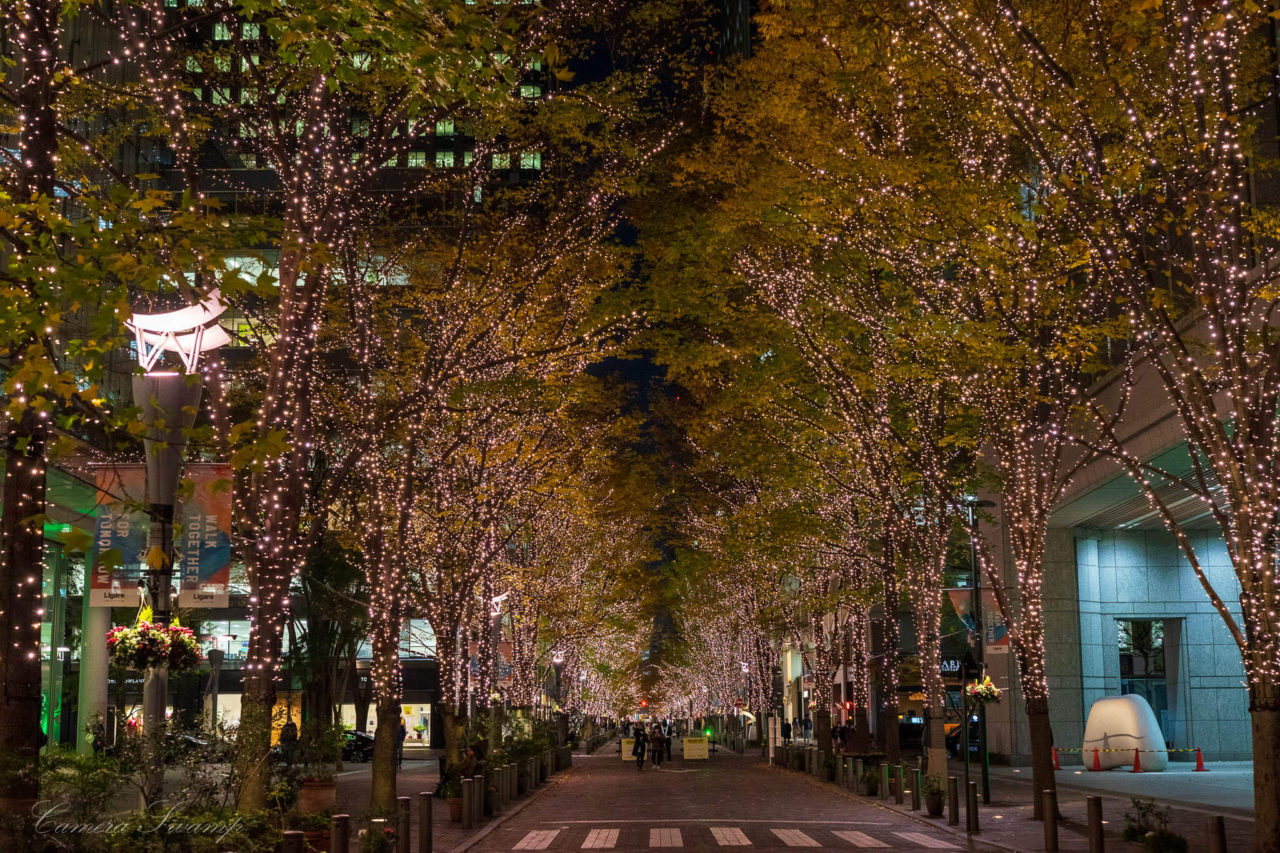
{"x":1142,"y":575}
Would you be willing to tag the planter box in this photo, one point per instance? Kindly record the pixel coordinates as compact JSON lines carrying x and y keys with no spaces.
{"x":318,"y":795}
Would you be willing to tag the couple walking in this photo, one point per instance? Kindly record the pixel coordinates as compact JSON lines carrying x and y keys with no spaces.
{"x":655,"y":741}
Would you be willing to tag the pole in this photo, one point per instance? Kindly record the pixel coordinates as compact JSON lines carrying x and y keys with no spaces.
{"x":1050,"y":799}
{"x":424,"y":822}
{"x":339,"y":833}
{"x":1096,"y":842}
{"x":402,"y":824}
{"x":981,"y":649}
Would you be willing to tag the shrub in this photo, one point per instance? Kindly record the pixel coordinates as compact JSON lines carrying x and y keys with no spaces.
{"x":205,"y":831}
{"x":1149,"y":825}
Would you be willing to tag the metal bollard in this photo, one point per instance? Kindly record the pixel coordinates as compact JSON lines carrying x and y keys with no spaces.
{"x":884,"y":781}
{"x":1096,"y":839}
{"x":425,"y":828}
{"x":477,"y":798}
{"x":375,"y":836}
{"x":971,"y":809}
{"x":468,"y":813}
{"x":1049,"y":802}
{"x":403,"y":827}
{"x":293,"y":841}
{"x":900,"y":794}
{"x":857,"y":776}
{"x":340,"y":833}
{"x":953,"y":801}
{"x":915,"y":790}
{"x":1216,"y":829}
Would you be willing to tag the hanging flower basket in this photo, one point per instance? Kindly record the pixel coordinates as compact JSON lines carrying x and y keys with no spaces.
{"x":149,"y":644}
{"x":982,"y":692}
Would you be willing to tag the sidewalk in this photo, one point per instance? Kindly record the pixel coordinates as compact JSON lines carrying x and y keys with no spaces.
{"x":1007,"y":822}
{"x":423,"y":775}
{"x":1226,"y":789}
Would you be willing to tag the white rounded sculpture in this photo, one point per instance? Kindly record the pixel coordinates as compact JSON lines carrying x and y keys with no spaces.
{"x":1123,"y":723}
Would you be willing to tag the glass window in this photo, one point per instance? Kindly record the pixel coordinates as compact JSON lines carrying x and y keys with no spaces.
{"x":529,"y":90}
{"x":531,"y":160}
{"x":502,"y":161}
{"x":249,"y":30}
{"x":253,"y":58}
{"x":250,"y":161}
{"x":478,"y":194}
{"x":468,"y":157}
{"x":445,"y":127}
{"x":444,"y":159}
{"x":221,"y":32}
{"x":391,"y":164}
{"x":359,"y":127}
{"x":417,"y":159}
{"x":248,"y":96}
{"x":360,"y":61}
{"x":221,"y":95}
{"x":1141,"y":644}
{"x":222,"y":63}
{"x":193,"y":65}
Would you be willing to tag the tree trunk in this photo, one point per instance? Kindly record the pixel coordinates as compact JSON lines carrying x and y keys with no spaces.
{"x":822,"y":729}
{"x":253,"y":740}
{"x":1264,"y":714}
{"x":1042,"y":778}
{"x":936,"y":744}
{"x":382,"y":793}
{"x":21,"y":577}
{"x":455,"y":736}
{"x":861,"y":731}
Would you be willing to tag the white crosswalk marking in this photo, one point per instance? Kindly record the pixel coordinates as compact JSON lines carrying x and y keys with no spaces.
{"x":925,"y":841}
{"x":730,"y":836}
{"x":858,"y":839}
{"x":601,"y":839}
{"x":537,"y":839}
{"x":795,"y":838}
{"x":665,"y":838}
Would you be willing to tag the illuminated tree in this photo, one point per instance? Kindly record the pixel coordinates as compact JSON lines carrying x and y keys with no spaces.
{"x":84,"y":243}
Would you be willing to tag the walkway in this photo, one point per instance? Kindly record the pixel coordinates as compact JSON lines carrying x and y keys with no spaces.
{"x":730,"y":801}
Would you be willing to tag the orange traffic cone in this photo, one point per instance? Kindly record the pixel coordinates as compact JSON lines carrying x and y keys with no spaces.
{"x":1056,"y":765}
{"x":1137,"y":762}
{"x":1200,"y":768}
{"x":1097,"y":762}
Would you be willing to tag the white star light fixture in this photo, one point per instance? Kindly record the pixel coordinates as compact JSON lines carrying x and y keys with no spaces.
{"x":188,"y":331}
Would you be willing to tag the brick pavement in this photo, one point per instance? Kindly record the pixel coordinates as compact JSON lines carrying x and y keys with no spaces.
{"x":729,"y":801}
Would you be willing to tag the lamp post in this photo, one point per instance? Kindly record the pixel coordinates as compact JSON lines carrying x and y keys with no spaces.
{"x":980,"y":630}
{"x":168,"y":399}
{"x":562,"y":722}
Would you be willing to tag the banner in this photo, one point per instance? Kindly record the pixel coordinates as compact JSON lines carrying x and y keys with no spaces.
{"x":204,"y":548}
{"x":995,"y":640}
{"x":119,"y":537}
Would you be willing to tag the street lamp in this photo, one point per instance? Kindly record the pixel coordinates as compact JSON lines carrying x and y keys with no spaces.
{"x":168,"y":399}
{"x":980,"y":631}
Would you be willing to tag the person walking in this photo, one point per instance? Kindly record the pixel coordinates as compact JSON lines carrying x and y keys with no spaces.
{"x":658,"y":747}
{"x":638,"y":748}
{"x":401,"y":734}
{"x":786,"y":731}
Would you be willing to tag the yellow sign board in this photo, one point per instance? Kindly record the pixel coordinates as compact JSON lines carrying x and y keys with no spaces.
{"x":627,"y":744}
{"x":695,"y":748}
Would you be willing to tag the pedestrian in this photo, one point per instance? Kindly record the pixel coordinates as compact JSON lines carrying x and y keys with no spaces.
{"x":638,"y":748}
{"x":288,"y":740}
{"x":808,"y":729}
{"x":657,"y":745}
{"x":401,"y":734}
{"x":786,"y":731}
